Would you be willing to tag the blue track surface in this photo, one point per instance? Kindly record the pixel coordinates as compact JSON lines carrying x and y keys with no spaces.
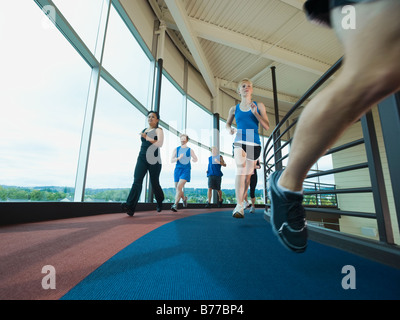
{"x":215,"y":257}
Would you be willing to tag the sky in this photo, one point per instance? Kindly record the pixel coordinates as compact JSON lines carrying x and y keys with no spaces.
{"x":44,"y":87}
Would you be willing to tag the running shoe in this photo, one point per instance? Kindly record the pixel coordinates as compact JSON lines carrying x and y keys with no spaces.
{"x":252,"y":209}
{"x":238,"y":212}
{"x":129,"y":211}
{"x":174,"y":208}
{"x":288,"y":217}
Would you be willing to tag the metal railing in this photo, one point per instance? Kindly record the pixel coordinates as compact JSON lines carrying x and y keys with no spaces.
{"x":273,"y":160}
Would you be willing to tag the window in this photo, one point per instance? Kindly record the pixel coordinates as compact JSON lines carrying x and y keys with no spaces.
{"x":171,"y":142}
{"x":84,"y":17}
{"x":225,"y":139}
{"x":115,"y":146}
{"x":199,"y":168}
{"x":126,"y":61}
{"x":172,"y":105}
{"x":324,"y":164}
{"x":228,"y":180}
{"x":199,"y":124}
{"x":44,"y":91}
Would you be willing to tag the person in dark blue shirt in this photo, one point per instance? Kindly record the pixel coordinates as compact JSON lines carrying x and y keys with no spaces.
{"x":214,"y":175}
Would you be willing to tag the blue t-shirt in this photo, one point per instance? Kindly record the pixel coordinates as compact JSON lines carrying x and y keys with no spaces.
{"x":185,"y":161}
{"x":214,"y":168}
{"x":247,"y":126}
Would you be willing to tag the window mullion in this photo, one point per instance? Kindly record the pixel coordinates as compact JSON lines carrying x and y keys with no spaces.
{"x":87,"y":130}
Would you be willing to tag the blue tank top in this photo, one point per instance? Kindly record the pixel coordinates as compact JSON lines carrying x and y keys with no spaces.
{"x":247,"y":126}
{"x":185,"y":161}
{"x":214,"y":169}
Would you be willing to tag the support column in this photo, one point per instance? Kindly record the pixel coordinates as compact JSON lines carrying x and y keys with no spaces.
{"x":157,"y":98}
{"x":377,"y":180}
{"x":389,"y":113}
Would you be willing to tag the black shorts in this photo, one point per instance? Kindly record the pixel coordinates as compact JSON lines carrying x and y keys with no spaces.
{"x":319,"y":10}
{"x":252,"y":152}
{"x":214,"y":182}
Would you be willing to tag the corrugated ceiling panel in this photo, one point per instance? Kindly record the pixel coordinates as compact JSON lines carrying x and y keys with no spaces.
{"x":271,"y":21}
{"x":232,"y":64}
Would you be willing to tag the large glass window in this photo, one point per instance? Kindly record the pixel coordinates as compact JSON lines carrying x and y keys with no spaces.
{"x":126,"y":61}
{"x":44,"y":91}
{"x":228,"y":180}
{"x":171,"y":141}
{"x":225,"y":139}
{"x":199,"y":168}
{"x":199,"y":124}
{"x":115,"y":146}
{"x":84,"y":17}
{"x":172,"y":105}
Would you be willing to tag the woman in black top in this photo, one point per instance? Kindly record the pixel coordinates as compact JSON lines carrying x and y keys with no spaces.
{"x":149,"y":159}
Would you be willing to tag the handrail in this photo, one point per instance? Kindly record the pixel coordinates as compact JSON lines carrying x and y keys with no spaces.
{"x":327,"y":205}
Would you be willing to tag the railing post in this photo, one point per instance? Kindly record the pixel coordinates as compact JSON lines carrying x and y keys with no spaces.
{"x":216,"y":138}
{"x":277,"y":142}
{"x":389,"y":113}
{"x":377,"y":180}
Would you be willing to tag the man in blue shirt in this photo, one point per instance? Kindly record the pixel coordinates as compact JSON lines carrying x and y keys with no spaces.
{"x":214,"y":174}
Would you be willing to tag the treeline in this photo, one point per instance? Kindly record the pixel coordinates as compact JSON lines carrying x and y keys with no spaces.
{"x":195,"y":195}
{"x":32,"y":194}
{"x":53,"y":193}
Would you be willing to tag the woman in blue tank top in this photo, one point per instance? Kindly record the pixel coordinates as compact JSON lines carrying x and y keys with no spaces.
{"x":182,"y":156}
{"x":247,"y":144}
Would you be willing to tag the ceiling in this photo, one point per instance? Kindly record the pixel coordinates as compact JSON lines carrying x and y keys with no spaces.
{"x":228,"y":40}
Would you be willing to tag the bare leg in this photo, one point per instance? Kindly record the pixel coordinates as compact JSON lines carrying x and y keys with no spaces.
{"x":179,"y":191}
{"x":220,"y":195}
{"x":246,"y":186}
{"x":243,"y":167}
{"x":209,"y":195}
{"x":371,"y":71}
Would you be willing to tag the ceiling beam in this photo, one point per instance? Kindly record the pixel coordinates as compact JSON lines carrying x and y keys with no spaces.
{"x":266,"y":50}
{"x":244,"y":43}
{"x":185,"y":27}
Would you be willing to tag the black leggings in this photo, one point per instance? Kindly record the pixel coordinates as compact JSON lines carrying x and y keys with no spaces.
{"x":142,"y":166}
{"x":253,"y":184}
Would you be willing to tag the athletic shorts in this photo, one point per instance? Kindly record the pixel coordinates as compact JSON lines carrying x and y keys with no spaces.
{"x":182,"y":173}
{"x":252,"y":152}
{"x":318,"y":11}
{"x":214,"y":182}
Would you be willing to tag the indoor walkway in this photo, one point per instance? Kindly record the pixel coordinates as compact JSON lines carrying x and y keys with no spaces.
{"x":195,"y":254}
